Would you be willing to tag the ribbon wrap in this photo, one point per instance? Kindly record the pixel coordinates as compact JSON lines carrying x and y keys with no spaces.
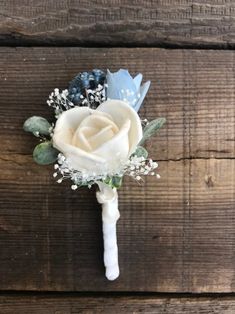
{"x":108,"y":198}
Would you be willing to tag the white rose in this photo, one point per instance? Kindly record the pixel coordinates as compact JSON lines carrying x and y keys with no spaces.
{"x":98,"y":140}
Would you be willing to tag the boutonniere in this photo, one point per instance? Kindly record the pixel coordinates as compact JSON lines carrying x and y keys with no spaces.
{"x":97,"y":138}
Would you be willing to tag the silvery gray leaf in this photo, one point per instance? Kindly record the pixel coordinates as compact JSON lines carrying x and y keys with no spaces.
{"x":141,"y":152}
{"x":37,"y":125}
{"x":151,"y":128}
{"x":45,"y":153}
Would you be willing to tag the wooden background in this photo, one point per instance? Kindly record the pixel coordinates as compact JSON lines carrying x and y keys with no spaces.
{"x":176,"y":235}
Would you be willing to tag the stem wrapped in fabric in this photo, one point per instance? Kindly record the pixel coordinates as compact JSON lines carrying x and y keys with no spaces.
{"x":108,"y":197}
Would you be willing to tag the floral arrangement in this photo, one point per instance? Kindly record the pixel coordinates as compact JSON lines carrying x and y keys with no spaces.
{"x":97,"y":138}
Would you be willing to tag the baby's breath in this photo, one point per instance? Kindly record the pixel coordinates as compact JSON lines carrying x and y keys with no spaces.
{"x":135,"y":167}
{"x":94,"y":97}
{"x":144,"y":122}
{"x":59,"y":101}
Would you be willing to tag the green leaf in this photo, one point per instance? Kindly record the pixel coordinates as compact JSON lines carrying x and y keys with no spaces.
{"x":37,"y":125}
{"x":141,"y":152}
{"x":152,"y":128}
{"x":45,"y":153}
{"x":114,"y":182}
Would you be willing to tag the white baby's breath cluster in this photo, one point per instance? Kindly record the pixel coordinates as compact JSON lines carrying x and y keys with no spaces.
{"x":65,"y":171}
{"x":59,"y":101}
{"x":94,"y":97}
{"x":136,"y":167}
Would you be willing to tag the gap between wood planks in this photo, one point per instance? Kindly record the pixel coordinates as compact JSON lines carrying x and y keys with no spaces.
{"x":14,"y":40}
{"x":156,"y":160}
{"x":115,"y":294}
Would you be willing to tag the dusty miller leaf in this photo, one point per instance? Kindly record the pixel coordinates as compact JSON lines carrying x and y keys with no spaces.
{"x":141,"y":152}
{"x":151,"y":129}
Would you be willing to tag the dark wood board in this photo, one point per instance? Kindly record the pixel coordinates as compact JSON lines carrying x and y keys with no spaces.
{"x":116,"y":305}
{"x":127,"y":22}
{"x":175,"y":234}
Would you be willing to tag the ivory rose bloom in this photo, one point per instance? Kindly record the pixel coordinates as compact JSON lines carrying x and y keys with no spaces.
{"x":98,"y":140}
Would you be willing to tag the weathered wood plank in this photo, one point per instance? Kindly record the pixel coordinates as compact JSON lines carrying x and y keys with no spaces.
{"x":175,"y":234}
{"x":194,"y":90}
{"x":115,"y":305}
{"x":129,"y":22}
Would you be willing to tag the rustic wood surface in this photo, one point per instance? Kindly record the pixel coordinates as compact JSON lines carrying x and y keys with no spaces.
{"x":175,"y":234}
{"x":116,"y":305}
{"x":115,"y":22}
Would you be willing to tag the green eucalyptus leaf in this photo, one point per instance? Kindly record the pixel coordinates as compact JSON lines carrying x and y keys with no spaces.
{"x":108,"y":181}
{"x":114,"y":182}
{"x":152,"y":128}
{"x":37,"y":125}
{"x":141,"y":152}
{"x":45,"y":153}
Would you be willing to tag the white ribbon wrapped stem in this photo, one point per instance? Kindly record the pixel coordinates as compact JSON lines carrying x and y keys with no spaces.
{"x":108,"y":197}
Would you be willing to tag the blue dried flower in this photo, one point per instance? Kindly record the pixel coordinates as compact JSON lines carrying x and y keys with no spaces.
{"x":122,"y":86}
{"x":82,"y":82}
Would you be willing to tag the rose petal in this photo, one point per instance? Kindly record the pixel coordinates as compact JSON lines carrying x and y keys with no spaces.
{"x":93,"y":131}
{"x":62,"y":140}
{"x":80,"y":138}
{"x":68,"y":122}
{"x":79,"y":159}
{"x":101,"y":137}
{"x":116,"y":149}
{"x":120,"y":112}
{"x":98,"y":121}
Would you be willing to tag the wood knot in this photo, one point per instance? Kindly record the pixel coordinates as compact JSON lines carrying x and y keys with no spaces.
{"x":209,"y":180}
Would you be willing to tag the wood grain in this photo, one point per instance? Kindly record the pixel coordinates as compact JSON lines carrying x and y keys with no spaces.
{"x":175,"y":234}
{"x":129,"y":22}
{"x":56,"y":304}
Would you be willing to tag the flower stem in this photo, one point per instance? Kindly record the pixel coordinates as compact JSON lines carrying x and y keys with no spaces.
{"x":108,"y":197}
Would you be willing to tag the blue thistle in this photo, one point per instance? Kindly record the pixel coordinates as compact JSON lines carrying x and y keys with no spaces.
{"x":82,"y":82}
